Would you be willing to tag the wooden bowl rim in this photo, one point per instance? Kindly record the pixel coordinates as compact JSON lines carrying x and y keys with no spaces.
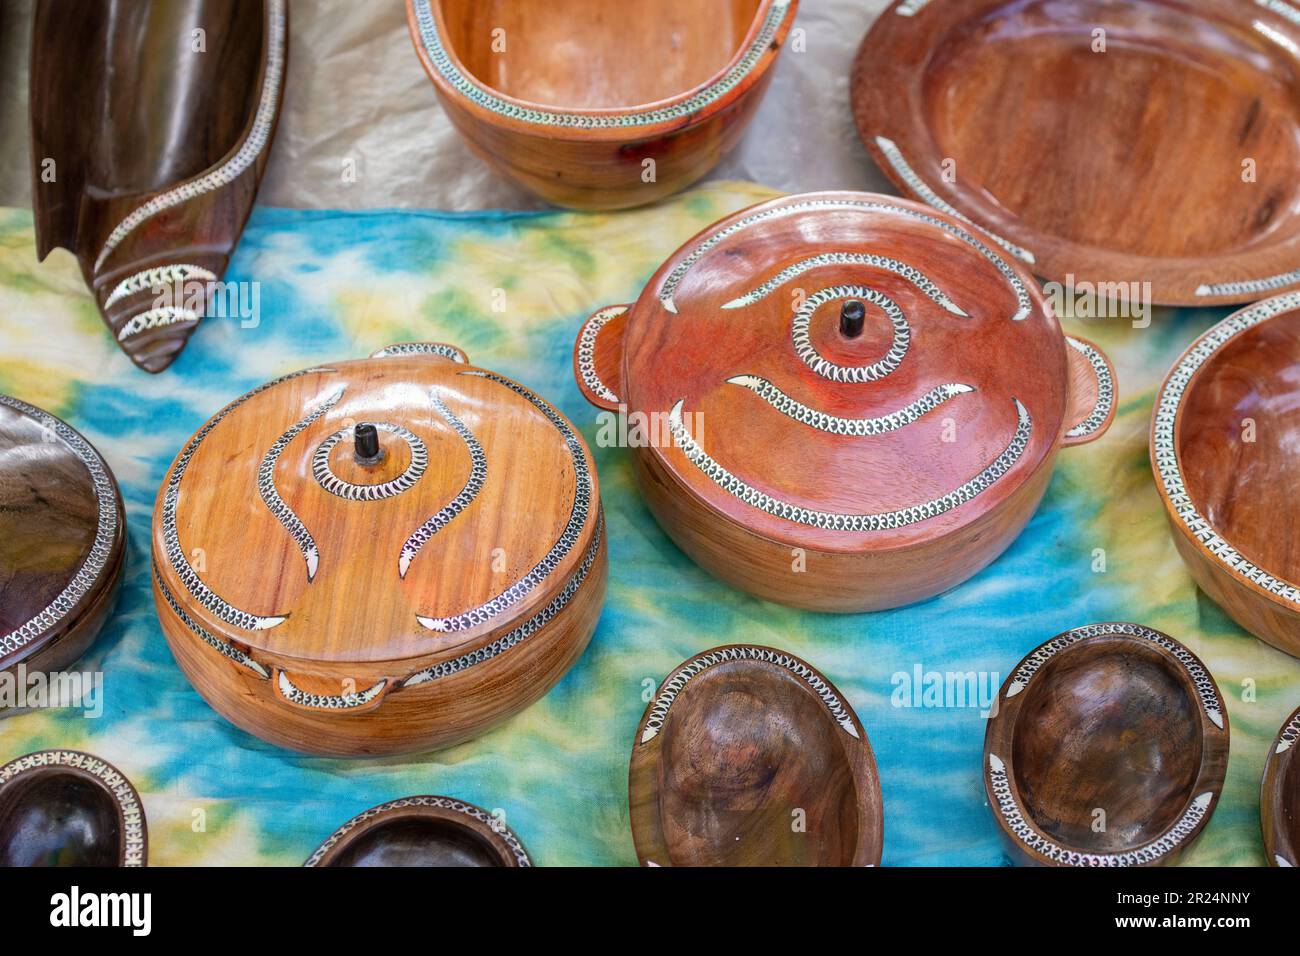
{"x":1007,"y":804}
{"x":1278,"y":850}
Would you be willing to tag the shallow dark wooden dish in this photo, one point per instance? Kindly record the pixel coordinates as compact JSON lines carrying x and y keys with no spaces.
{"x":422,"y":831}
{"x":834,"y":467}
{"x":1122,"y":166}
{"x":585,"y":91}
{"x":158,"y":150}
{"x":67,"y":808}
{"x":1279,"y":797}
{"x":62,"y":541}
{"x":741,"y":742}
{"x":1116,"y":718}
{"x":1229,"y":499}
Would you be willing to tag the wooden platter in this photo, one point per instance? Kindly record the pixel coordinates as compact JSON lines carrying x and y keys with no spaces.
{"x":151,"y":126}
{"x":1225,"y":460}
{"x":380,"y":556}
{"x":62,"y":541}
{"x":425,"y":832}
{"x":1279,"y":797}
{"x":1100,"y":141}
{"x":66,"y":808}
{"x":1108,"y":747}
{"x":750,"y":757}
{"x":843,"y":401}
{"x":596,"y":105}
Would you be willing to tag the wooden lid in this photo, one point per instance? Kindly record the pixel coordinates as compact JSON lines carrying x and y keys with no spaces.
{"x":61,"y":530}
{"x":276,"y":530}
{"x":849,"y":371}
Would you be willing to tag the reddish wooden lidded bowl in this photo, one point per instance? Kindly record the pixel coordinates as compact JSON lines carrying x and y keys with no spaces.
{"x":843,"y":401}
{"x":1279,"y":797}
{"x":1108,"y":747}
{"x":380,"y":556}
{"x":571,"y":99}
{"x":1222,"y":450}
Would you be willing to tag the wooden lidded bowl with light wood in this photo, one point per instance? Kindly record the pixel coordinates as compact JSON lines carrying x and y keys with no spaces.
{"x":843,"y":401}
{"x":599,"y":105}
{"x":380,"y":556}
{"x":1279,"y":796}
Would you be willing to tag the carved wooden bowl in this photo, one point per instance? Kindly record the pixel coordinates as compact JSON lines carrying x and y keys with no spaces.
{"x":1225,"y":460}
{"x":750,"y":757}
{"x":843,"y":401}
{"x":380,"y":556}
{"x":597,"y":109}
{"x":1279,"y":797}
{"x":1101,"y":141}
{"x":422,"y":831}
{"x":62,"y":541}
{"x":66,"y":808}
{"x":1108,"y":747}
{"x":157,"y":147}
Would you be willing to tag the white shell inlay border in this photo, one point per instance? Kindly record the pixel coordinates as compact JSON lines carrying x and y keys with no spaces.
{"x":157,"y":278}
{"x":158,"y":318}
{"x":587,"y":352}
{"x":858,"y":374}
{"x":855,"y":427}
{"x":296,"y":695}
{"x":1105,"y":389}
{"x":331,"y":482}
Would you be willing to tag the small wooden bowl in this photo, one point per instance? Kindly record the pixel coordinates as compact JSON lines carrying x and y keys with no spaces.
{"x":750,"y":757}
{"x":1108,"y":748}
{"x":422,"y":831}
{"x":595,"y":109}
{"x":66,"y":808}
{"x":1224,"y":458}
{"x":1279,"y":797}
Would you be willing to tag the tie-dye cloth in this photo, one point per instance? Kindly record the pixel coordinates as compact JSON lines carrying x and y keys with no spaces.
{"x":339,"y":285}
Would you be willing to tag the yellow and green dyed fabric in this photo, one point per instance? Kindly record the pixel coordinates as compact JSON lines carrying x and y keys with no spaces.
{"x":339,"y":285}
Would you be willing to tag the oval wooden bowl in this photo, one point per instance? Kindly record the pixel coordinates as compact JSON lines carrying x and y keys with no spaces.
{"x":335,"y":602}
{"x":574,"y":101}
{"x":750,"y":757}
{"x":66,"y":808}
{"x":1108,"y":747}
{"x":157,"y":151}
{"x":62,"y":541}
{"x":1279,"y":797}
{"x":422,"y":831}
{"x":832,"y":459}
{"x":1224,"y":458}
{"x":1171,"y":157}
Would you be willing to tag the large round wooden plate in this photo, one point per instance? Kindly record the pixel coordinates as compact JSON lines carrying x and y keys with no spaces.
{"x":1100,"y":140}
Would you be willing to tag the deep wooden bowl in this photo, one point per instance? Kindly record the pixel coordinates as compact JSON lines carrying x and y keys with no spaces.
{"x":66,"y":808}
{"x":382,"y":556}
{"x":750,"y":757}
{"x":1108,"y":747}
{"x":1223,"y":450}
{"x":157,"y":149}
{"x":843,"y":401}
{"x":62,"y":542}
{"x":1172,"y":156}
{"x":1279,"y":797}
{"x":422,"y":831}
{"x":600,"y":106}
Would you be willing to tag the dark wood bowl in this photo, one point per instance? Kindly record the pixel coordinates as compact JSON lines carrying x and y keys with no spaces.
{"x":422,"y":831}
{"x":572,"y":99}
{"x":1279,"y":797}
{"x":67,"y":808}
{"x":1171,"y":157}
{"x":1108,"y":747}
{"x":1223,"y":450}
{"x":750,"y":757}
{"x":157,"y":148}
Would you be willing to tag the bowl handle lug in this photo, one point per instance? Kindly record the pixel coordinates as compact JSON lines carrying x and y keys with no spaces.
{"x":1093,"y":392}
{"x":290,"y":692}
{"x":598,"y":357}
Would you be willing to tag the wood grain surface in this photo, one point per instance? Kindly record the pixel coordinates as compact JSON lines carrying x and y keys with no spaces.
{"x":1279,"y":797}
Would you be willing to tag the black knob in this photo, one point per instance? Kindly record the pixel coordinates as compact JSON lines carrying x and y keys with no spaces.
{"x":366,"y":439}
{"x":853,"y":315}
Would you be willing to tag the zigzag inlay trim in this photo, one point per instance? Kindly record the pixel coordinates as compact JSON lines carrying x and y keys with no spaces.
{"x":420,"y":348}
{"x":222,"y":647}
{"x":1105,"y":390}
{"x":766,"y":655}
{"x":855,"y":427}
{"x":296,"y":695}
{"x":874,"y":372}
{"x":158,"y":318}
{"x":587,"y":351}
{"x":157,"y":278}
{"x":1282,"y":9}
{"x":1289,"y":734}
{"x":1249,"y":287}
{"x":414,"y":471}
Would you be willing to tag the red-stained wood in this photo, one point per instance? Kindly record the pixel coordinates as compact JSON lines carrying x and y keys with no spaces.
{"x":1279,"y":796}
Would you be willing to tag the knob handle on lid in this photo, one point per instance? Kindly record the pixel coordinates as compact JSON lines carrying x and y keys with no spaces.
{"x":365,"y":439}
{"x":853,"y":315}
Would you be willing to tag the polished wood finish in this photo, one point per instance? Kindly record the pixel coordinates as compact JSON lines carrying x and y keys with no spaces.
{"x":1172,"y":157}
{"x":341,"y":620}
{"x":927,"y":458}
{"x":130,"y":114}
{"x":1279,"y":797}
{"x":1108,"y":747}
{"x":66,"y":808}
{"x":591,"y":62}
{"x":750,"y":757}
{"x":62,"y":535}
